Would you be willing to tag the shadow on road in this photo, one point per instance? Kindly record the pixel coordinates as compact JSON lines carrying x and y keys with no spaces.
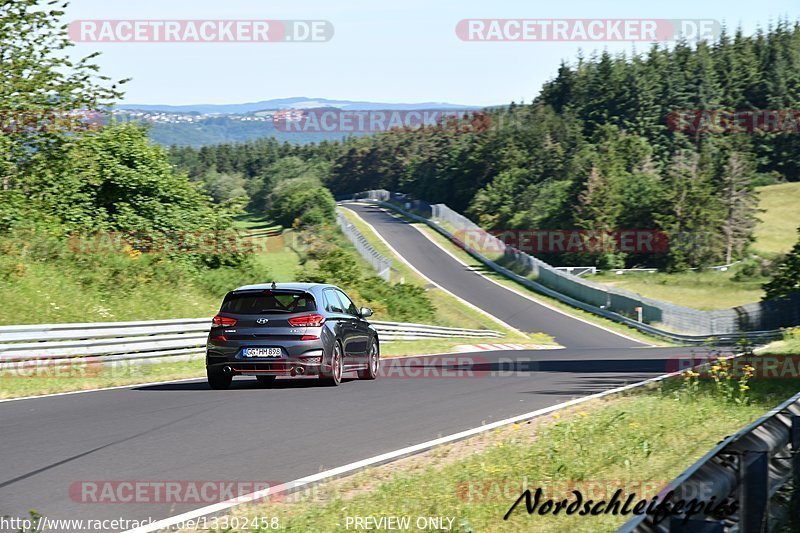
{"x":242,"y":383}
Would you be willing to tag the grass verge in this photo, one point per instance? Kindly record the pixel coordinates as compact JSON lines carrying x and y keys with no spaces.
{"x":637,"y":442}
{"x":22,"y":381}
{"x":274,"y":253}
{"x":45,"y":280}
{"x":700,"y":290}
{"x":789,"y":345}
{"x":776,"y":231}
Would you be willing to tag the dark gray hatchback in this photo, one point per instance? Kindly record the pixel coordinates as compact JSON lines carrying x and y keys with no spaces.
{"x":290,"y":329}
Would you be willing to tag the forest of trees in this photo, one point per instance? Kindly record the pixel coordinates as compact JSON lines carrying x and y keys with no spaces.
{"x":593,"y":151}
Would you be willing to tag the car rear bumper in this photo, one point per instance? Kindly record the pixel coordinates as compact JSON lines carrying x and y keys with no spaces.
{"x":305,"y":360}
{"x":268,"y":368}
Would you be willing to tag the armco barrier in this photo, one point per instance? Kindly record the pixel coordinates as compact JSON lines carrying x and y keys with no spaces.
{"x":750,"y":467}
{"x":676,"y":323}
{"x":380,"y":263}
{"x":175,"y":339}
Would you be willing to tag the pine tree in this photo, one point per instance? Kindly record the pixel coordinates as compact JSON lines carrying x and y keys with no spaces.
{"x":740,"y":206}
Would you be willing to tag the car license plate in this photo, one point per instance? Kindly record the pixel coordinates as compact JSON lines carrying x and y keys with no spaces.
{"x":261,"y":352}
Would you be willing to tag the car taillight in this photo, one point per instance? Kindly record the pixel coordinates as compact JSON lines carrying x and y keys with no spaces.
{"x":308,"y":321}
{"x":223,"y":321}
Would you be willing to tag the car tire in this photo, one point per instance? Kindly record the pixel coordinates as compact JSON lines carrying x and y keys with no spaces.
{"x":373,"y":362}
{"x":218,"y":380}
{"x":266,"y":380}
{"x":333,"y":377}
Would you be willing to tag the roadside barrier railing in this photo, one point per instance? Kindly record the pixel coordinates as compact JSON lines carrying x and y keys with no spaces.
{"x":178,"y":339}
{"x":381,"y":264}
{"x":758,"y":467}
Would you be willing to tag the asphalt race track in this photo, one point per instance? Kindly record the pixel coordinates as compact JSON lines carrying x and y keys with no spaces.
{"x":186,"y":432}
{"x":506,"y":305}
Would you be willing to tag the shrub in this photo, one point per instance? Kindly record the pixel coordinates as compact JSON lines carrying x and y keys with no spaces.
{"x":301,"y":202}
{"x":330,"y":258}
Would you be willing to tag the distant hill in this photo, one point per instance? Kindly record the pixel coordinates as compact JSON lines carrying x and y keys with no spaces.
{"x":204,"y":124}
{"x":299,"y":102}
{"x":222,"y":129}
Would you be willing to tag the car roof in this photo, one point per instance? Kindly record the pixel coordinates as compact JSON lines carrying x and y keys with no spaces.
{"x":284,"y":286}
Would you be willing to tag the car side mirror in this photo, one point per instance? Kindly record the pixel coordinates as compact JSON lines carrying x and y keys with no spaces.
{"x":366,"y":311}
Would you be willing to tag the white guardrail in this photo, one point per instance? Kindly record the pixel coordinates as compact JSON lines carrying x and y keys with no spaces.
{"x":177,"y":339}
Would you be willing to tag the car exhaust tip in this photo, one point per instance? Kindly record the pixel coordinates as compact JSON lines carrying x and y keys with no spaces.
{"x":300,"y":370}
{"x":227,"y":370}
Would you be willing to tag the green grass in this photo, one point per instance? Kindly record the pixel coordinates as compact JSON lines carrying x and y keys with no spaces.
{"x":44,"y":293}
{"x":789,"y":345}
{"x":28,"y":380}
{"x":451,"y":311}
{"x":499,"y":278}
{"x":700,"y":290}
{"x":275,"y":254}
{"x":43,"y":282}
{"x":637,"y":442}
{"x":776,"y":232}
{"x":400,"y":270}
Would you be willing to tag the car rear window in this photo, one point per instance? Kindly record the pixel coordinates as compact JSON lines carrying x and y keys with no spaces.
{"x":263,"y":302}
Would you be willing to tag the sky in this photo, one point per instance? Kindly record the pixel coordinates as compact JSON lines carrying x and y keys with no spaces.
{"x":400,"y":51}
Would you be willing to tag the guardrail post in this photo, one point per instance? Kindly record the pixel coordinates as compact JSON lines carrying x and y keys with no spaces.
{"x":795,"y":438}
{"x":753,"y":491}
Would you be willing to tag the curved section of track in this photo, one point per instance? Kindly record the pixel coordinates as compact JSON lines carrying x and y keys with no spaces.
{"x":505,"y":304}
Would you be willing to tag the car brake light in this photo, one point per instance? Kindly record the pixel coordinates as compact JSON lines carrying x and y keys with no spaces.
{"x":223,"y":321}
{"x":310,"y":321}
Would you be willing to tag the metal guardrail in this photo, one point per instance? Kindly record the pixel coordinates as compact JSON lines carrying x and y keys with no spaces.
{"x":752,"y":467}
{"x":380,"y":263}
{"x":715,"y":339}
{"x":179,"y":338}
{"x":578,"y":270}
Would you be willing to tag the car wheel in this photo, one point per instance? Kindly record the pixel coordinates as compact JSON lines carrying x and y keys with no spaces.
{"x":218,"y":380}
{"x":265,"y":380}
{"x":333,"y":377}
{"x":373,"y":363}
